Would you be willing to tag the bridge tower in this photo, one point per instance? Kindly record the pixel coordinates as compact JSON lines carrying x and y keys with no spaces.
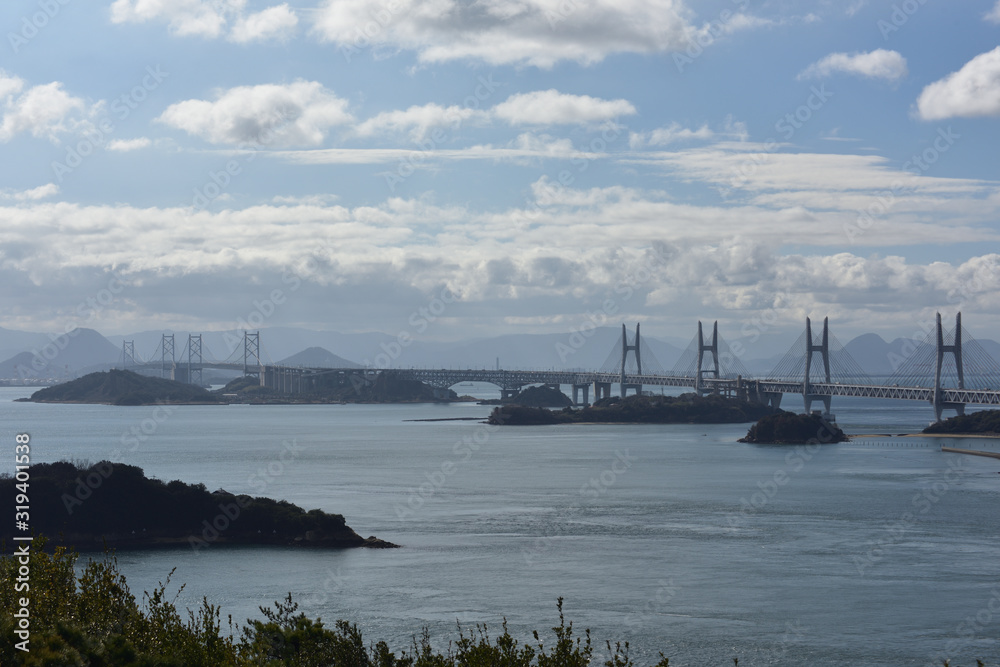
{"x":167,"y":356}
{"x":626,"y":348}
{"x":194,"y":359}
{"x":128,"y":354}
{"x":956,"y":349}
{"x":824,"y":349}
{"x":702,"y":349}
{"x":251,"y":352}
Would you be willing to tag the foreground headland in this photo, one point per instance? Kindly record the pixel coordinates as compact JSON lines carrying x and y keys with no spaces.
{"x":114,"y":505}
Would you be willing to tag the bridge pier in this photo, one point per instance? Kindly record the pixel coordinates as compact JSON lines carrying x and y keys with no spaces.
{"x":508,"y":393}
{"x":585,"y":388}
{"x":601,"y":390}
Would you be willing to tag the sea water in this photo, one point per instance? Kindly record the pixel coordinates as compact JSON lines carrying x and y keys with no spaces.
{"x":676,"y":538}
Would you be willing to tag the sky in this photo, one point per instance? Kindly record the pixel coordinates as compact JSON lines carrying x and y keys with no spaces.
{"x":453,"y":169}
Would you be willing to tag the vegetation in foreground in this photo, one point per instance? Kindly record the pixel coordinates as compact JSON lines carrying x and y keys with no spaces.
{"x":684,"y":409}
{"x":94,"y":620}
{"x":984,"y":422}
{"x":788,"y":428}
{"x":114,"y":504}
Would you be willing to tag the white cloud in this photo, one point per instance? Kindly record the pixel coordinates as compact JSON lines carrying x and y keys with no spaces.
{"x":536,"y":32}
{"x":9,"y":86}
{"x":418,"y":120}
{"x":973,"y":90}
{"x":126,"y":145}
{"x":203,"y":18}
{"x":855,"y":7}
{"x":45,"y":111}
{"x":278,"y":22}
{"x":668,"y":135}
{"x":550,"y":107}
{"x":295,"y":114}
{"x":993,"y":16}
{"x":210,"y":18}
{"x":35,"y":194}
{"x":877,"y":64}
{"x":561,"y":247}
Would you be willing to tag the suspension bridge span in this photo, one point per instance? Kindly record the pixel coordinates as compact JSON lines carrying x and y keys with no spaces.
{"x":948,"y":370}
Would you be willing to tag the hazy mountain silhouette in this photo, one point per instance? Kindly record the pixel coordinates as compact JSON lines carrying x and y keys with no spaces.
{"x":318,"y":357}
{"x":61,"y":356}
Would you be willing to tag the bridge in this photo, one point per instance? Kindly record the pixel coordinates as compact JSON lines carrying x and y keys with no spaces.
{"x":950,"y":372}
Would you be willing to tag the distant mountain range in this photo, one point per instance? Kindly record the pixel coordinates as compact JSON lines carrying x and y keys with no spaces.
{"x":39,"y":355}
{"x":65,"y":356}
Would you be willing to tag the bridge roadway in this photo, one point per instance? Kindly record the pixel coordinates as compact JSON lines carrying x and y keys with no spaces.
{"x":510,"y":381}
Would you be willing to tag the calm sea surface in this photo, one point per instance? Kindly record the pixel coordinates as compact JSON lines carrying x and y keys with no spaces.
{"x":882,"y":551}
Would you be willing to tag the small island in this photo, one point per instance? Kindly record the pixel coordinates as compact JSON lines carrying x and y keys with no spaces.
{"x":684,"y":409}
{"x":115,"y":505}
{"x":788,"y":428}
{"x":121,"y":387}
{"x":985,"y":423}
{"x":534,"y":397}
{"x":116,"y":387}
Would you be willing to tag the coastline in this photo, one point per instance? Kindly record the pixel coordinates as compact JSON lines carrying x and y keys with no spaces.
{"x":988,"y":436}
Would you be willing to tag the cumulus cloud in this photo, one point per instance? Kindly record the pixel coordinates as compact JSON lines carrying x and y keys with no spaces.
{"x":278,"y":22}
{"x":525,"y":262}
{"x":535,"y":32}
{"x":46,"y":111}
{"x":126,"y":145}
{"x":34,"y":194}
{"x":210,"y":18}
{"x":202,"y":18}
{"x":972,"y":91}
{"x":993,"y":16}
{"x":418,"y":120}
{"x":877,"y":64}
{"x":295,"y":114}
{"x":551,"y":107}
{"x":540,"y":108}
